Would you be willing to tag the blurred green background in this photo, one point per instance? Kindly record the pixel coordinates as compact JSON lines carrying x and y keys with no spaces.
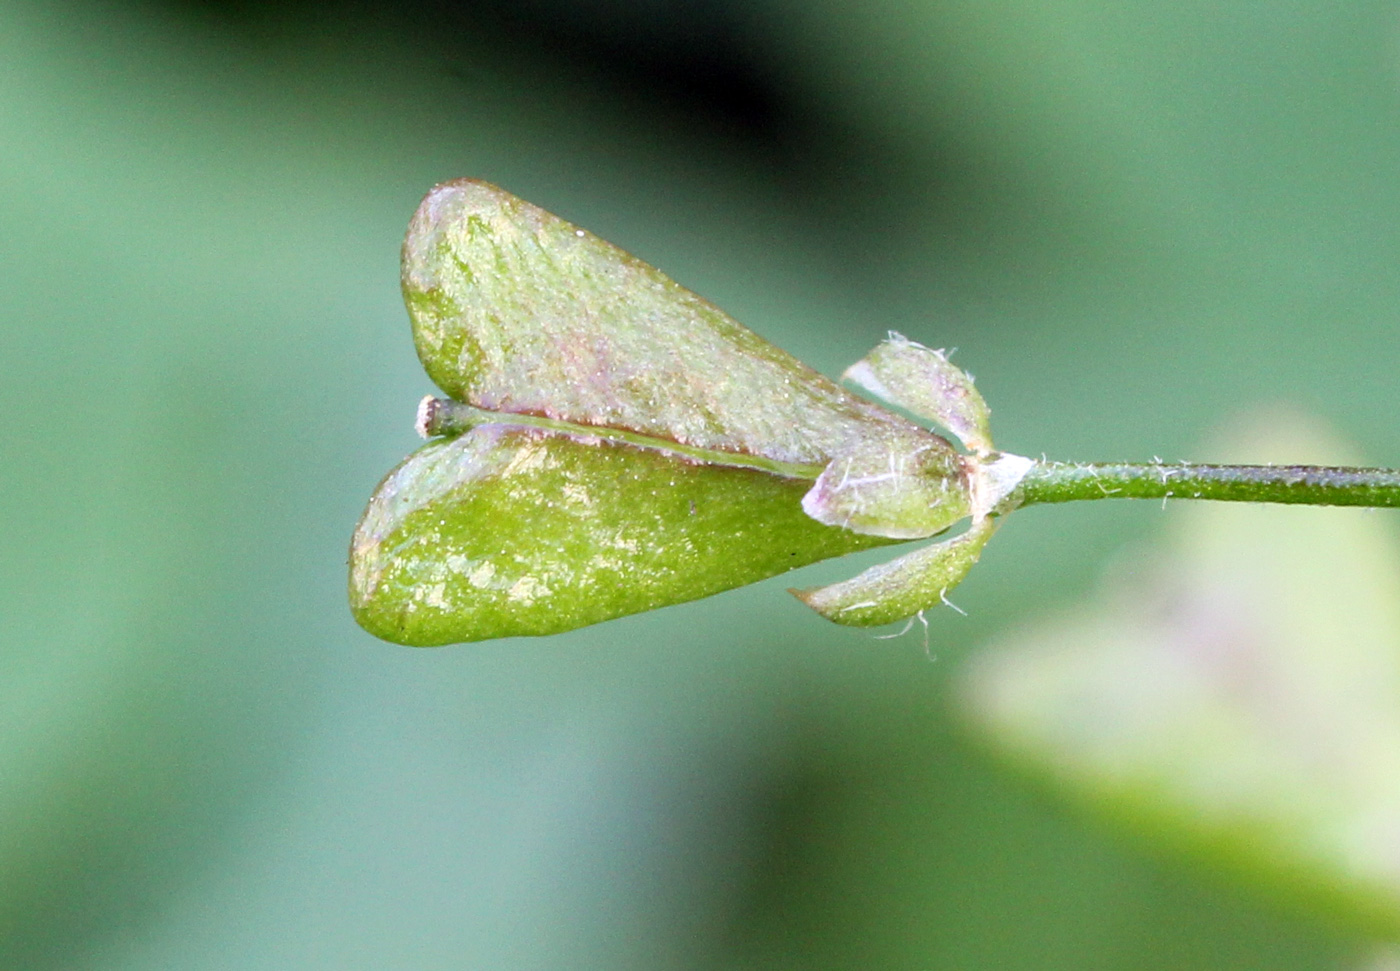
{"x":1135,"y":220}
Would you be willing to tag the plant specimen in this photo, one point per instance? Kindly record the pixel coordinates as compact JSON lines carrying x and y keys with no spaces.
{"x":611,"y":443}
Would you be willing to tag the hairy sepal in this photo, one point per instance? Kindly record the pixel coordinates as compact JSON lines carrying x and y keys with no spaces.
{"x":906,"y":485}
{"x":903,"y":587}
{"x":925,"y":383}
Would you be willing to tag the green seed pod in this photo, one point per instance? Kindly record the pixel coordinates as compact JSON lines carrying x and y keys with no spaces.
{"x":515,"y":310}
{"x":506,"y":531}
{"x":618,"y":444}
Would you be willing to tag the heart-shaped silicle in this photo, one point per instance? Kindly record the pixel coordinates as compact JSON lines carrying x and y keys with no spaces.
{"x":613,"y":443}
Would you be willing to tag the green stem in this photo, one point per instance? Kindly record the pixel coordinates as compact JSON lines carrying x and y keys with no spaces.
{"x":1308,"y":484}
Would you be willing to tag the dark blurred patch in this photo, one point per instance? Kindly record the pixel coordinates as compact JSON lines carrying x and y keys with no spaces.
{"x":703,"y":59}
{"x":700,"y":57}
{"x":712,"y":69}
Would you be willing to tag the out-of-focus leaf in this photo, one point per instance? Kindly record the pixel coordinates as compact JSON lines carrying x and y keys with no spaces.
{"x":1242,"y":699}
{"x":508,"y":531}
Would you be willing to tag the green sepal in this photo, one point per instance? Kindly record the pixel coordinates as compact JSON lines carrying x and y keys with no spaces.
{"x":506,"y":531}
{"x":925,"y":383}
{"x":903,"y":587}
{"x":905,"y":485}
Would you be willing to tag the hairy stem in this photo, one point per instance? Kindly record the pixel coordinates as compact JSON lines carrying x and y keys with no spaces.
{"x":1307,"y":484}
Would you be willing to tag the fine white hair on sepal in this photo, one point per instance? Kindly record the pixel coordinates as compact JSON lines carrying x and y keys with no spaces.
{"x":943,"y":596}
{"x":908,"y":624}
